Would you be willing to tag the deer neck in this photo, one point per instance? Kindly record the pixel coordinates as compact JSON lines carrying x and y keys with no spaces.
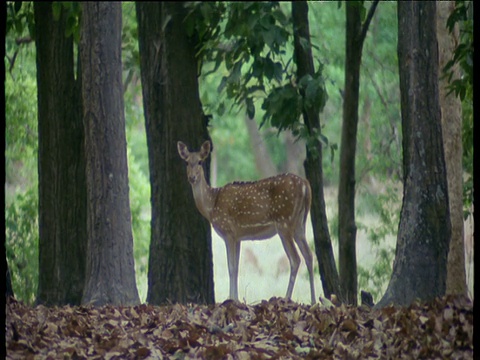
{"x":204,"y":196}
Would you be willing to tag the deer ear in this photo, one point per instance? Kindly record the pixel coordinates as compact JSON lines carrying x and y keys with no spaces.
{"x":182,"y":150}
{"x":205,"y":150}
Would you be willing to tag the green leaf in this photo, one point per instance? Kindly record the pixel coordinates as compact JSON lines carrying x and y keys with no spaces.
{"x":222,"y":85}
{"x":313,"y":89}
{"x":278,"y":71}
{"x":257,"y":67}
{"x":312,"y":93}
{"x":255,"y":89}
{"x":283,"y":107}
{"x":236,"y":73}
{"x":269,"y":68}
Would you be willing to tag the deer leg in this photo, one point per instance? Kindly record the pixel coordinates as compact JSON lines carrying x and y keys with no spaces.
{"x":233,"y":255}
{"x":307,"y":255}
{"x":293,"y":258}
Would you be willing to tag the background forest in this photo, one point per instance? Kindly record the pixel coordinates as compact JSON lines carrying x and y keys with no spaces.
{"x":242,"y":150}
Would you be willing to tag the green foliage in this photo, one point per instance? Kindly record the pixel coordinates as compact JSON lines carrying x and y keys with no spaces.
{"x":374,"y":279}
{"x":130,"y":51}
{"x":140,"y":210}
{"x":21,"y":210}
{"x":204,"y":21}
{"x":235,"y":161}
{"x":21,"y":138}
{"x":252,"y":53}
{"x":138,"y":171}
{"x":20,"y":18}
{"x":21,"y":244}
{"x":285,"y":105}
{"x":21,"y":124}
{"x":21,"y":134}
{"x":379,"y":132}
{"x":281,"y":104}
{"x":385,"y":208}
{"x":463,"y":53}
{"x":251,"y":49}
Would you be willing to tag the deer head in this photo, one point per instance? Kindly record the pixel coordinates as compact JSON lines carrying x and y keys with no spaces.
{"x":194,"y":160}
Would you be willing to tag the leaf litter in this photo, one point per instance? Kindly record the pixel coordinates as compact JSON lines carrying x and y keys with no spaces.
{"x":273,"y":329}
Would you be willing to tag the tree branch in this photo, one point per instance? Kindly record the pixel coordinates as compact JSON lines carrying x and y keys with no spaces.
{"x":11,"y":60}
{"x":23,"y":40}
{"x":368,"y":20}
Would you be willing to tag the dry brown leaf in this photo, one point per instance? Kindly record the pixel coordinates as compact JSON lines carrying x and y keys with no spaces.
{"x":277,"y":328}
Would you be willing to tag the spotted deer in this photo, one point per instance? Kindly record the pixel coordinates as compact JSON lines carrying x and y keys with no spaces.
{"x":255,"y":210}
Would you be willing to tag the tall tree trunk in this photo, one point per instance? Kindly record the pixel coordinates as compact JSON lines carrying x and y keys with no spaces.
{"x":110,"y":275}
{"x":347,"y":229}
{"x":452,"y":142}
{"x":180,"y":263}
{"x":313,"y":163}
{"x":61,"y":164}
{"x":420,"y":266}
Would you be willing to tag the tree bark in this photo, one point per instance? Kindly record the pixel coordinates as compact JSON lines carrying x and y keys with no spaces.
{"x":313,"y":162}
{"x":420,"y":265}
{"x":180,"y":263}
{"x":452,"y":142}
{"x":110,"y":269}
{"x":61,"y":164}
{"x":347,"y":229}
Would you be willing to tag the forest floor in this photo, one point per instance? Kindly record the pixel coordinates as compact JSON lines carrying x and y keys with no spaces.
{"x":273,"y":329}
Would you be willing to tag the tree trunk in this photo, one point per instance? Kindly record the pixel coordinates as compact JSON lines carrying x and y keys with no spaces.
{"x":452,"y":142}
{"x":180,"y":263}
{"x":420,"y":266}
{"x":61,"y":164}
{"x":313,"y":163}
{"x":347,"y":229}
{"x":110,"y":274}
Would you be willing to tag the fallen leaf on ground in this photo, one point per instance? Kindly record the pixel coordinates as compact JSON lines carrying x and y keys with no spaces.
{"x":276,"y":328}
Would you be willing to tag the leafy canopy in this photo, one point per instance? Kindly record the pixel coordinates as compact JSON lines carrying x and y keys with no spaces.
{"x":250,"y":40}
